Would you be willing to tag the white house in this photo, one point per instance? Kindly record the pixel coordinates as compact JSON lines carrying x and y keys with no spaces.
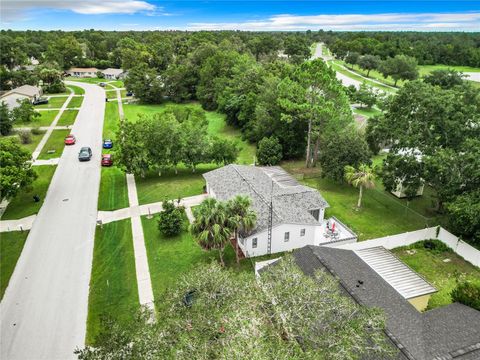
{"x":12,"y":97}
{"x":399,"y":190}
{"x":83,"y":72}
{"x":113,"y":74}
{"x":289,"y":215}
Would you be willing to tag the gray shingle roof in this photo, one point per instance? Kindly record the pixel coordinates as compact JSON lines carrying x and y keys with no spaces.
{"x":27,"y":90}
{"x":449,"y":332}
{"x":291,"y":201}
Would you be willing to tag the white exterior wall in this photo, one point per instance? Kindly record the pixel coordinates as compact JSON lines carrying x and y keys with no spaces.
{"x":401,"y":194}
{"x":278,"y":235}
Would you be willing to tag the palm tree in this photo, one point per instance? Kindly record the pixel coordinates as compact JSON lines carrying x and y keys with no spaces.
{"x":211,"y":227}
{"x":242,"y":218}
{"x":360,"y":178}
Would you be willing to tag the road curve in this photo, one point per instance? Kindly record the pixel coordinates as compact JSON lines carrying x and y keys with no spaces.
{"x":44,"y":311}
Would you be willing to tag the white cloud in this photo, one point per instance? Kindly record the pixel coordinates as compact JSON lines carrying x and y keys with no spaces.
{"x":18,"y":9}
{"x":468,"y":21}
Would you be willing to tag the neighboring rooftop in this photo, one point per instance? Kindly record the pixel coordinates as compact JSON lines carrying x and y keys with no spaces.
{"x":113,"y":72}
{"x":83,"y":69}
{"x":450,"y":332}
{"x":291,"y":201}
{"x":27,"y":90}
{"x":403,"y":279}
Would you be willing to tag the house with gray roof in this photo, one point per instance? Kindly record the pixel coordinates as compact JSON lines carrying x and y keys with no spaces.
{"x":13,"y":97}
{"x":289,"y":215}
{"x":448,"y":332}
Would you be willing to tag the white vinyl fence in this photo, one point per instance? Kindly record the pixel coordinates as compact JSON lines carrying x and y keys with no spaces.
{"x":460,"y":247}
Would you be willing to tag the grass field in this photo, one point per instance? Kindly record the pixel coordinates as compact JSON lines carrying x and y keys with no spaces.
{"x":75,"y":102}
{"x":54,"y":142}
{"x":111,"y":94}
{"x":111,"y":120}
{"x":381,"y":213}
{"x":153,"y":188}
{"x":426,"y":69}
{"x":116,"y":83}
{"x":76,"y":89}
{"x":367,"y":112}
{"x":11,"y":245}
{"x":113,"y":189}
{"x":87,"y":80}
{"x":28,"y":147}
{"x":53,"y":102}
{"x":68,"y":117}
{"x":45,"y":119}
{"x":113,"y":282}
{"x":442,"y":275}
{"x":23,"y":205}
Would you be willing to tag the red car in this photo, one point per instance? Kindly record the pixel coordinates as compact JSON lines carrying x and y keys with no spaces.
{"x":70,"y":140}
{"x":107,"y":160}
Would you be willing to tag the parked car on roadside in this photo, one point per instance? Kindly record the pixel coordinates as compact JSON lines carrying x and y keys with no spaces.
{"x":102,"y":84}
{"x":85,"y":154}
{"x":70,"y":140}
{"x":129,"y":93}
{"x":107,"y":144}
{"x":40,"y":101}
{"x":107,"y":160}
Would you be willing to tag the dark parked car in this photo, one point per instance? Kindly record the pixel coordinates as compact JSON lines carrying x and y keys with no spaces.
{"x":40,"y":101}
{"x":85,"y":154}
{"x":102,"y":84}
{"x":107,"y":144}
{"x":107,"y":160}
{"x":129,"y":93}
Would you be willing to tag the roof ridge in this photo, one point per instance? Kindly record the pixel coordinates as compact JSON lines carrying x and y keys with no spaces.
{"x":255,"y":190}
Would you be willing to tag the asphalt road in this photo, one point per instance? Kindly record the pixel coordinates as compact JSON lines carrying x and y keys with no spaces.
{"x":44,"y":311}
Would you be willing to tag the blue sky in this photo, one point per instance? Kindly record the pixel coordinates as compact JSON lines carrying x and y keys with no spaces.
{"x":240,"y":15}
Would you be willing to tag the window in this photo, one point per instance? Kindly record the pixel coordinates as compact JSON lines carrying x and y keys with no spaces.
{"x":315,"y":213}
{"x":287,"y":236}
{"x":302,"y":232}
{"x":254,"y":242}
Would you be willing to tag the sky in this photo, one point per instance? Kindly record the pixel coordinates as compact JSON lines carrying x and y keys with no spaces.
{"x":240,"y":15}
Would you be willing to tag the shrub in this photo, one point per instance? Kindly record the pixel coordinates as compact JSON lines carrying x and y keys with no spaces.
{"x":269,"y":151}
{"x":36,"y":131}
{"x":55,"y":88}
{"x":170,"y":220}
{"x":25,"y":136}
{"x":433,"y":245}
{"x":467,"y":293}
{"x":100,"y":75}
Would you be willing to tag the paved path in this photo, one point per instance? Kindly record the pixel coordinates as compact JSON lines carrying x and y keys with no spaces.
{"x":52,"y":126}
{"x":472,"y":76}
{"x":25,"y":223}
{"x":44,"y":310}
{"x":58,"y":127}
{"x":140,"y":210}
{"x":40,"y":162}
{"x":144,"y":283}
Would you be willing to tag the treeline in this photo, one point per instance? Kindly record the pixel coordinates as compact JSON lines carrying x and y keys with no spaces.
{"x":427,"y":48}
{"x":178,"y":135}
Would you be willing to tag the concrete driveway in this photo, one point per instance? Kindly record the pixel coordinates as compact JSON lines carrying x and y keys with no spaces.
{"x":44,"y":311}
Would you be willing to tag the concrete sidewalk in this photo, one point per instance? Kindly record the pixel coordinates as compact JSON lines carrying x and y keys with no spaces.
{"x":141,"y":210}
{"x":144,"y":283}
{"x":25,"y":223}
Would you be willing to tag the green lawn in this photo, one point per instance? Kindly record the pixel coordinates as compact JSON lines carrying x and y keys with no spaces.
{"x":76,"y":89}
{"x":430,"y":264}
{"x":111,"y":94}
{"x":116,"y":83}
{"x":381,"y":213}
{"x":23,"y":205}
{"x":33,"y":144}
{"x":45,"y":119}
{"x":113,"y":282}
{"x":54,"y":142}
{"x":153,"y":188}
{"x":75,"y":102}
{"x":113,"y":189}
{"x":171,"y":257}
{"x":111,"y":120}
{"x":87,"y":80}
{"x":54,"y":102}
{"x":11,"y":245}
{"x":426,"y":69}
{"x":68,"y":117}
{"x":367,"y":112}
{"x":218,"y":126}
{"x":133,"y":111}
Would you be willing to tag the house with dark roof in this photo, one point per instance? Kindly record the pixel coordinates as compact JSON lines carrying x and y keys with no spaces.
{"x":289,"y":215}
{"x":13,"y":97}
{"x":449,"y":332}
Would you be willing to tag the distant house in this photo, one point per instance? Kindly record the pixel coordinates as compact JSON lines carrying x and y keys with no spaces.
{"x":113,"y":74}
{"x":399,"y":190}
{"x":289,"y":215}
{"x":375,"y":278}
{"x":12,"y":97}
{"x":82,"y":72}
